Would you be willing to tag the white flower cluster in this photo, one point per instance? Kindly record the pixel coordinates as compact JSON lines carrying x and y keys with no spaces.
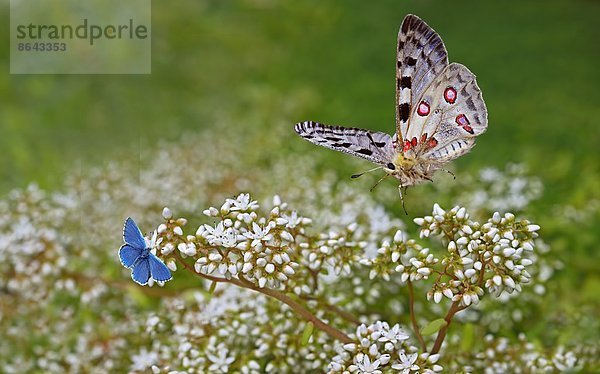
{"x":335,"y":250}
{"x":403,"y":256}
{"x":493,"y":255}
{"x":32,"y":249}
{"x":379,"y":348}
{"x":241,"y":244}
{"x":233,"y":330}
{"x":500,"y":355}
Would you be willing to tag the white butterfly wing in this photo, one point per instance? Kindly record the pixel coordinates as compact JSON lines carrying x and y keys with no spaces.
{"x":373,"y":146}
{"x":448,"y":116}
{"x":421,"y":57}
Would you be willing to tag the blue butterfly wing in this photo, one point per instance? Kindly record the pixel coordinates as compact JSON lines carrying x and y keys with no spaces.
{"x":132,"y":234}
{"x":141,"y":272}
{"x":158,"y":270}
{"x":128,"y":255}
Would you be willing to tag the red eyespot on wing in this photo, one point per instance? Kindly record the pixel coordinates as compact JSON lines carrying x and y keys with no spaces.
{"x":462,"y":120}
{"x":423,"y":138}
{"x":413,"y":141}
{"x":450,"y":95}
{"x":468,"y":129}
{"x":423,"y":109}
{"x":407,"y":146}
{"x":432,"y":143}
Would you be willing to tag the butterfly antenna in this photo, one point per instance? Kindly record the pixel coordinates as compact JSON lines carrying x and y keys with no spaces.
{"x":402,"y":197}
{"x":379,"y":181}
{"x":449,"y":172}
{"x":365,"y":172}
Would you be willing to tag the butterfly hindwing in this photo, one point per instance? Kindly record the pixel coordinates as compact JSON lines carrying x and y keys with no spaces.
{"x":132,"y":234}
{"x":373,"y":146}
{"x":141,"y":271}
{"x":421,"y":57}
{"x":128,"y":255}
{"x":451,"y":108}
{"x":158,"y":270}
{"x":452,"y":149}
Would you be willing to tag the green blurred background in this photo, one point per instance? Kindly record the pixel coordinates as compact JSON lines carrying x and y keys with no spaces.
{"x":537,"y":62}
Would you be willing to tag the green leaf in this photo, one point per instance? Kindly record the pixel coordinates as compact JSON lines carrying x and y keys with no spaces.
{"x":308,"y":330}
{"x":434,"y":326}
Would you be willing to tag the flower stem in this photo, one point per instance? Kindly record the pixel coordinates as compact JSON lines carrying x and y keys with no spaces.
{"x":413,"y":318}
{"x":340,"y":312}
{"x":454,"y":308}
{"x":296,"y":307}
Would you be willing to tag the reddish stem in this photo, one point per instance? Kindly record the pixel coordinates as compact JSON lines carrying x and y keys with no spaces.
{"x":296,"y":307}
{"x":413,"y":318}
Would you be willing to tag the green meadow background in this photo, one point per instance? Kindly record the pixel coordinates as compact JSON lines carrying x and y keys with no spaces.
{"x":537,"y":62}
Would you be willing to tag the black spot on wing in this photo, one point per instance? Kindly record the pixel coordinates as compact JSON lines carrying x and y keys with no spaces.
{"x":410,"y":61}
{"x":404,"y":110}
{"x":364,"y":151}
{"x":470,"y":103}
{"x":405,"y":82}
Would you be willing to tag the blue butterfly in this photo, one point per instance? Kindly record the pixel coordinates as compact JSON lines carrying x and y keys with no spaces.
{"x":135,"y":255}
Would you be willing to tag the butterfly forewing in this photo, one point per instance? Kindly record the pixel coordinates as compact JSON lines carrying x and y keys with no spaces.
{"x":132,"y":234}
{"x":421,"y":57}
{"x":373,"y":146}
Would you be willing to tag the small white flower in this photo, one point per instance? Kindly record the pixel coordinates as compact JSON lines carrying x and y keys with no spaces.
{"x":407,"y":363}
{"x":258,"y":234}
{"x":393,"y":335}
{"x":143,"y":360}
{"x":366,"y":366}
{"x":242,"y":203}
{"x":166,"y":213}
{"x":221,"y":361}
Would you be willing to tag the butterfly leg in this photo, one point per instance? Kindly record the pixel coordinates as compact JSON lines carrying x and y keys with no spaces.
{"x":379,"y":181}
{"x":402,"y":197}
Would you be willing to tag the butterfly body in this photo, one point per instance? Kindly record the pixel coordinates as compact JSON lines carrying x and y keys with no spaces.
{"x":136,"y":254}
{"x":410,"y":170}
{"x":439,"y":112}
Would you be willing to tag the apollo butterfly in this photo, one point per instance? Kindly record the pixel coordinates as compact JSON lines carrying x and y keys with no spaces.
{"x":439,"y":113}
